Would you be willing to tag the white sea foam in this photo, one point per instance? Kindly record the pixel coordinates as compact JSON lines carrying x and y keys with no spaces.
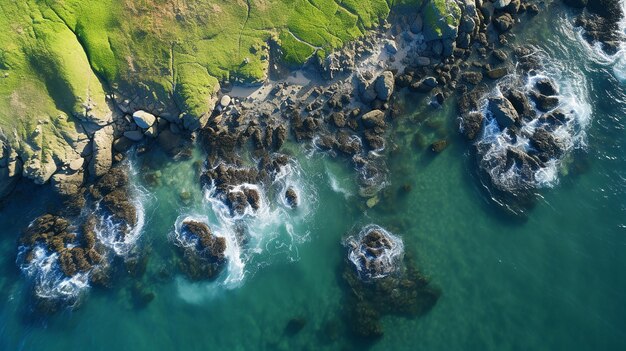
{"x":120,"y":237}
{"x":254,"y":238}
{"x":595,"y":52}
{"x":387,"y":263}
{"x":494,"y":143}
{"x":48,"y":279}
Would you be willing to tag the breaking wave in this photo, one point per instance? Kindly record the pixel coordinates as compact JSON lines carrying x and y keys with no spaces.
{"x":375,"y":262}
{"x":48,"y":279}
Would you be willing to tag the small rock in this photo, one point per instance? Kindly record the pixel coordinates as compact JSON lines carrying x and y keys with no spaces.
{"x":372,"y":201}
{"x":225,"y":101}
{"x":439,"y":146}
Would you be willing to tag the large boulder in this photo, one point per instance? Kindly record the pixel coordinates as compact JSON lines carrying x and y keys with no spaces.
{"x":503,"y":111}
{"x":520,"y":102}
{"x":384,"y":86}
{"x":504,"y":22}
{"x":144,"y":119}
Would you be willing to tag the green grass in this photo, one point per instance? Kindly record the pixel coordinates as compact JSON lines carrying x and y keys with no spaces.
{"x":55,"y":55}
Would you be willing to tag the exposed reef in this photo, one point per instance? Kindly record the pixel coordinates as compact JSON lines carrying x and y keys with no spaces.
{"x":63,"y":253}
{"x":600,"y":21}
{"x":382,"y":280}
{"x":202,"y":251}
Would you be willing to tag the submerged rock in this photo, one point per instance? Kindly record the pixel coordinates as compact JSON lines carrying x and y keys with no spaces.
{"x":404,"y":291}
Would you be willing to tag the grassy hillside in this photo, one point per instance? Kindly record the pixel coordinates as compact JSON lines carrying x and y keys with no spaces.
{"x":59,"y":57}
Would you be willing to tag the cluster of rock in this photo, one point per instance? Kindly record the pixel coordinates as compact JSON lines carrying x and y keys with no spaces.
{"x":601,"y":22}
{"x":71,"y":233}
{"x":375,"y":253}
{"x":203,"y":252}
{"x":519,"y":130}
{"x":239,"y":186}
{"x":383,"y":290}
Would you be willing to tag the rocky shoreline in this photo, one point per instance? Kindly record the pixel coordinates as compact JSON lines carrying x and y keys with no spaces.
{"x":347,"y":112}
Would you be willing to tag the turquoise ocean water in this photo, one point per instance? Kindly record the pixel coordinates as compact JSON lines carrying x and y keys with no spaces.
{"x":553,"y":280}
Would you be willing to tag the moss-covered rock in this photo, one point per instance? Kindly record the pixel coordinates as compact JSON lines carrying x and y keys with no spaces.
{"x":441,"y":19}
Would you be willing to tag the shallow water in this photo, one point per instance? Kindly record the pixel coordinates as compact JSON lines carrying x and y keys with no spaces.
{"x":553,"y":280}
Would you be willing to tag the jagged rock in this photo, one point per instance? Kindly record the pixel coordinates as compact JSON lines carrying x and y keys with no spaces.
{"x":144,"y":119}
{"x":503,"y":111}
{"x":545,"y":144}
{"x":472,"y":77}
{"x":292,"y":197}
{"x":472,"y":124}
{"x":384,"y":86}
{"x":547,"y":87}
{"x":504,"y":22}
{"x":545,"y":103}
{"x":338,"y":119}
